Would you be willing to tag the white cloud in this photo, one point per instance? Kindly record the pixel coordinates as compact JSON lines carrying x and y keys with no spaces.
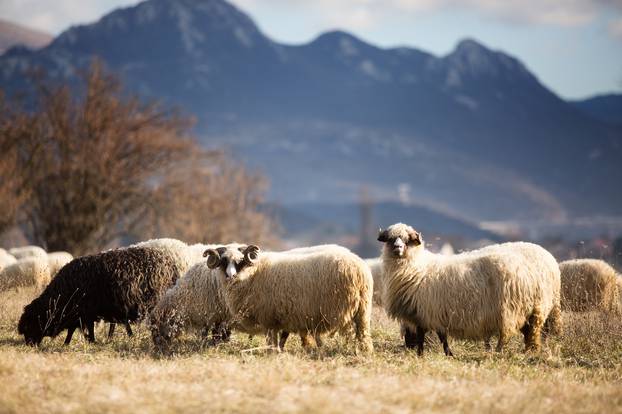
{"x":366,"y":13}
{"x":55,"y":16}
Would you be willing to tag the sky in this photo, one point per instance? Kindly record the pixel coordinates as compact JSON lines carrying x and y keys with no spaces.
{"x":573,"y":46}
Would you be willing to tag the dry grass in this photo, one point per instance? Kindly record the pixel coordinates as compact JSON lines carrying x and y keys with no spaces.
{"x":579,"y":372}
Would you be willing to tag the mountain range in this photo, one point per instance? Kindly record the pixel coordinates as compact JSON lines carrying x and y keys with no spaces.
{"x":12,"y":34}
{"x":472,"y":136}
{"x":607,"y":107}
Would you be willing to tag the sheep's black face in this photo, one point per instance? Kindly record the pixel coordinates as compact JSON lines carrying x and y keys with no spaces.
{"x":231,"y":261}
{"x":398,"y":238}
{"x":30,"y":327}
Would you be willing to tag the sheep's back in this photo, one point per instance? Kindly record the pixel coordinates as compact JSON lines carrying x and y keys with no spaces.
{"x":588,"y":284}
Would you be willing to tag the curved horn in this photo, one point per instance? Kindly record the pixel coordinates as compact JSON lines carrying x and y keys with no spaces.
{"x":251,"y":253}
{"x":383,"y":236}
{"x":414,"y":237}
{"x":213,"y":258}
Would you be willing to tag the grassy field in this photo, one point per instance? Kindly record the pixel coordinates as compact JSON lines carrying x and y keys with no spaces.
{"x":578,"y":372}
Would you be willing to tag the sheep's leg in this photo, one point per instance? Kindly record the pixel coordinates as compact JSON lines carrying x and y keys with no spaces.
{"x":226,"y":334}
{"x":420,"y":339}
{"x":283,"y":340}
{"x":553,"y":323}
{"x":70,"y":332}
{"x":111,"y":330}
{"x":410,"y":339}
{"x":532,"y":331}
{"x":128,"y":329}
{"x":91,"y":331}
{"x":503,"y":340}
{"x":443,"y":338}
{"x":272,"y":339}
{"x":216,"y":333}
{"x":318,"y":340}
{"x":487,"y":345}
{"x":362,"y":321}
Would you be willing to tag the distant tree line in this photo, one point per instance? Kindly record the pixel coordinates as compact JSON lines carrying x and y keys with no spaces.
{"x":89,"y":164}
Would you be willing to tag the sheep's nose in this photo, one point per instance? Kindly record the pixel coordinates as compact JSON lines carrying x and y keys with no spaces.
{"x":231,"y":270}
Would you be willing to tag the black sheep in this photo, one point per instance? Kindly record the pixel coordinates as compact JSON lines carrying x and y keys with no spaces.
{"x":117,"y":286}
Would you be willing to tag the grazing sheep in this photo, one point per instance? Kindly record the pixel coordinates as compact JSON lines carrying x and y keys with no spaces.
{"x":27,"y":251}
{"x":196,"y":302}
{"x":589,"y":284}
{"x":56,"y":260}
{"x":308,"y":293}
{"x":496,"y":290}
{"x":31,"y":271}
{"x":6,"y":259}
{"x":115,"y":286}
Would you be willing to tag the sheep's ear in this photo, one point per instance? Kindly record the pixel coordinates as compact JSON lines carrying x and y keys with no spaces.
{"x":213,"y":258}
{"x":414,"y":237}
{"x":383,"y":236}
{"x":251,"y":253}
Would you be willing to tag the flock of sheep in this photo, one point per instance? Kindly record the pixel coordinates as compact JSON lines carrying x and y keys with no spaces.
{"x":500,"y":290}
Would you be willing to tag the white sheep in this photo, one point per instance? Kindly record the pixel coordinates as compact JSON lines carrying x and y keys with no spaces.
{"x":56,"y":260}
{"x":31,"y":271}
{"x":6,"y":259}
{"x":27,"y":251}
{"x":195,"y":302}
{"x":308,"y":293}
{"x":589,"y":284}
{"x":497,"y":290}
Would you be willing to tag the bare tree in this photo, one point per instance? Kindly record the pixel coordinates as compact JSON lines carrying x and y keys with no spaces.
{"x":96,"y":164}
{"x":211,"y":199}
{"x":13,"y":193}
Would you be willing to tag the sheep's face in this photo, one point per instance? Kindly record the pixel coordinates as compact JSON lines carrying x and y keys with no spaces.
{"x":161,"y":335}
{"x":231,"y":260}
{"x":398,"y":239}
{"x":30,"y":326}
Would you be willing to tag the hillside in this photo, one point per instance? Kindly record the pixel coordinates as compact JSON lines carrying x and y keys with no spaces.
{"x":607,"y":108}
{"x":473,"y":133}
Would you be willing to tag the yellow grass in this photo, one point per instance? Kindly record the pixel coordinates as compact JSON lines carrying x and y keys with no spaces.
{"x":579,"y":372}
